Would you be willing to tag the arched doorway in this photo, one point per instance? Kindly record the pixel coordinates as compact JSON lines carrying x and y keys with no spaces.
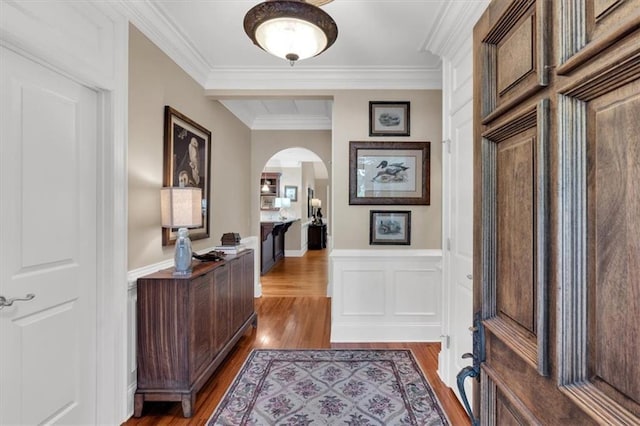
{"x":288,"y":180}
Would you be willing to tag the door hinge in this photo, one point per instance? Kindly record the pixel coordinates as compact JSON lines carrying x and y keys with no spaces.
{"x":447,"y":142}
{"x":446,"y":340}
{"x":449,"y":244}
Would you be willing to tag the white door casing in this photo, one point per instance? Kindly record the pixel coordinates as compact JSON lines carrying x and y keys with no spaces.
{"x":88,"y":42}
{"x":458,"y":213}
{"x":454,"y":46}
{"x":48,"y":245}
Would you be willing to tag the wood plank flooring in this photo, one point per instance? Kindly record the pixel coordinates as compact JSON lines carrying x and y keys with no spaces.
{"x":293,"y":313}
{"x":298,"y":276}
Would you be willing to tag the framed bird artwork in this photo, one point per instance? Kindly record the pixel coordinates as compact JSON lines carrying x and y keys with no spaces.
{"x":391,"y":173}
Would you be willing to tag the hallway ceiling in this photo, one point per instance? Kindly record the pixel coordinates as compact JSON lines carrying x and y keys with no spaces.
{"x":382,"y":44}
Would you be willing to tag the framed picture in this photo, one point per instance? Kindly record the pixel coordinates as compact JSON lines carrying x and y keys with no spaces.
{"x":291,"y":192}
{"x":389,"y":118}
{"x":268,"y":202}
{"x":389,"y":173}
{"x":187,"y":159}
{"x":390,"y":227}
{"x":309,"y":206}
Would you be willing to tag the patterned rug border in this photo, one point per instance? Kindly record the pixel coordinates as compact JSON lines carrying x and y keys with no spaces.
{"x":254,"y":352}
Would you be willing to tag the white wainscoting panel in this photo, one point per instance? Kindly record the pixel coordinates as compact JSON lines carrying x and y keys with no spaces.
{"x":386,"y":295}
{"x":364,"y":292}
{"x":413,"y":293}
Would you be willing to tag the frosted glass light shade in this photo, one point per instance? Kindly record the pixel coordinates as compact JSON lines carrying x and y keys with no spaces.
{"x":181,"y":207}
{"x":289,"y":38}
{"x":290,"y":29}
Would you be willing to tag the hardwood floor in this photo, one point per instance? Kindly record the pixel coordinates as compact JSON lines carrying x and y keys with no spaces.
{"x":293,"y":313}
{"x":298,"y":276}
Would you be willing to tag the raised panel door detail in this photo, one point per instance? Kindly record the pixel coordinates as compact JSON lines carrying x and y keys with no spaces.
{"x":48,"y":134}
{"x":514,"y":55}
{"x":617,"y":245}
{"x":589,"y":28}
{"x":54,"y":329}
{"x":589,"y":264}
{"x":515,"y":197}
{"x":506,"y":414}
{"x":615,"y":254}
{"x":601,"y":253}
{"x":515,"y":226}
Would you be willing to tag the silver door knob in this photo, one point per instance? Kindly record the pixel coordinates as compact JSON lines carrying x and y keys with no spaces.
{"x":470,"y":276}
{"x":8,"y":302}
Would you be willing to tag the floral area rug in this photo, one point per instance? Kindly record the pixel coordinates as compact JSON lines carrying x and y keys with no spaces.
{"x":329,"y":387}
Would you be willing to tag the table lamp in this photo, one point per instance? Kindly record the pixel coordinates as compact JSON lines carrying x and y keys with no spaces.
{"x":181,"y":207}
{"x":316,"y":203}
{"x":283,"y":204}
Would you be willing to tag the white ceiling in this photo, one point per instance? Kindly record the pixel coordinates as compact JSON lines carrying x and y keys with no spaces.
{"x":381,"y":44}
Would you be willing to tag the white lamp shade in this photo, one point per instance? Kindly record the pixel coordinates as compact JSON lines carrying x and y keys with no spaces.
{"x":285,"y":36}
{"x":315,"y":202}
{"x":181,"y":207}
{"x":283,"y":203}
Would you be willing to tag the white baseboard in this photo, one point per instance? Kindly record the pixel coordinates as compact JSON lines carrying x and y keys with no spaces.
{"x":295,"y":253}
{"x":374,"y":332}
{"x":131,"y":392}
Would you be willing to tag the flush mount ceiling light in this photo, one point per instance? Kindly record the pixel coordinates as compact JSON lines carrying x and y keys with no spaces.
{"x":291,"y":29}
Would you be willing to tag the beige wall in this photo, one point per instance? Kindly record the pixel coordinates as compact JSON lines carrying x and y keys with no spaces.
{"x":156,"y":81}
{"x":350,"y":224}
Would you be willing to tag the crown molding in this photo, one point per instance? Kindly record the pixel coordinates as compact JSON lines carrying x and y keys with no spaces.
{"x":454,"y":24}
{"x":163,"y":32}
{"x":319,"y":78}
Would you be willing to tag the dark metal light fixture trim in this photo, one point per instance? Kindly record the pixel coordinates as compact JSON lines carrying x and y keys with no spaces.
{"x":297,"y":9}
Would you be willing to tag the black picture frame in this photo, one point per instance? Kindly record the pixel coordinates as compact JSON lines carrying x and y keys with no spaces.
{"x":390,"y":227}
{"x":187,"y":162}
{"x":309,"y":206}
{"x":291,"y":192}
{"x":389,"y":173}
{"x":388,"y":118}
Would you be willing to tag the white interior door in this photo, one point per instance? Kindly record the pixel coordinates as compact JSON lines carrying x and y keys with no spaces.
{"x":458,"y":214}
{"x":47,"y":245}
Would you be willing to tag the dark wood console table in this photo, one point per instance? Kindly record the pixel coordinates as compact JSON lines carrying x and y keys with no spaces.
{"x":317,"y":237}
{"x":187,"y":326}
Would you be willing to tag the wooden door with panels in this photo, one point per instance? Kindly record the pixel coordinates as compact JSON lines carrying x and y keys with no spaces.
{"x":557,"y":212}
